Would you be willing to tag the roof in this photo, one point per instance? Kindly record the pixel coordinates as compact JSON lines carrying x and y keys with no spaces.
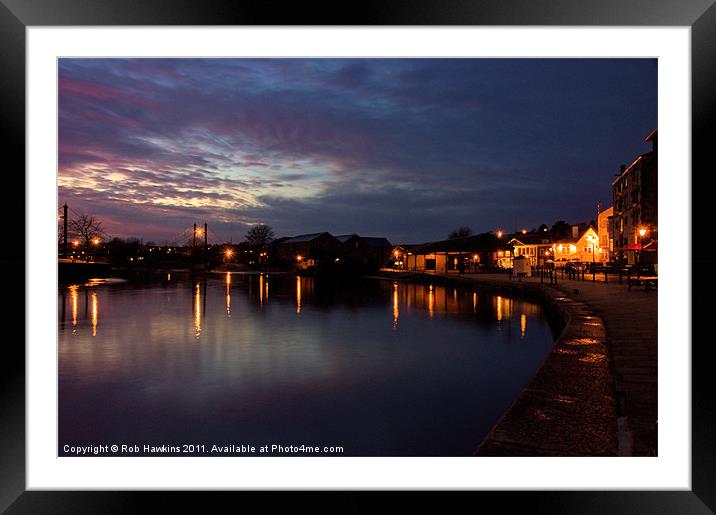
{"x":368,"y":240}
{"x":376,"y":241}
{"x":279,"y":240}
{"x":579,"y":237}
{"x":532,"y":239}
{"x":606,"y":212}
{"x":485,"y":242}
{"x":653,"y":135}
{"x":305,"y":237}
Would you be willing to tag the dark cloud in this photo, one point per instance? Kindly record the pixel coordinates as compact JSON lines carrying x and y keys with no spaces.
{"x":406,"y":148}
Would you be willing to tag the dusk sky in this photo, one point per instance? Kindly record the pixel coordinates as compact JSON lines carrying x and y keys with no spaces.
{"x":408,"y":149}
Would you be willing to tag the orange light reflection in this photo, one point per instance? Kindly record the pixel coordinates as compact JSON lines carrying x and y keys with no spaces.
{"x":197,"y":311}
{"x":94,"y":313}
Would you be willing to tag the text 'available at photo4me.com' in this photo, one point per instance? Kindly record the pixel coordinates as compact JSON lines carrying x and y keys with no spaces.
{"x":201,"y":449}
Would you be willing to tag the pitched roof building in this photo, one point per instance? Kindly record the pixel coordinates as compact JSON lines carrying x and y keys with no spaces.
{"x":460,"y":254}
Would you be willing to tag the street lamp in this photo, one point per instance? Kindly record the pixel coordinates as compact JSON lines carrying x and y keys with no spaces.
{"x":642,"y":233}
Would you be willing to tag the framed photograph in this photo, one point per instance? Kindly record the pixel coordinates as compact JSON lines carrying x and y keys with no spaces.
{"x":413,"y":248}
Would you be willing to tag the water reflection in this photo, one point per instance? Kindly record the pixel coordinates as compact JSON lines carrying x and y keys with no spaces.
{"x":261,"y":289}
{"x":228,"y":295}
{"x":197,"y":310}
{"x":404,"y":298}
{"x":396,"y":307}
{"x":439,"y":301}
{"x":95,"y":313}
{"x":298,"y":294}
{"x":74,"y":301}
{"x":327,"y":374}
{"x":431,"y":302}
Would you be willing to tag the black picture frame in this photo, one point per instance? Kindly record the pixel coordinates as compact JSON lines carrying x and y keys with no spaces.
{"x":700,"y":15}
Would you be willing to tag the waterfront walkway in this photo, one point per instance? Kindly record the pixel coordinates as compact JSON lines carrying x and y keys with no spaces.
{"x":630,"y":320}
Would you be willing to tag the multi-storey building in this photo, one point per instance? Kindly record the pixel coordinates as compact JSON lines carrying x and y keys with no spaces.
{"x":634,"y":192}
{"x":605,"y":243}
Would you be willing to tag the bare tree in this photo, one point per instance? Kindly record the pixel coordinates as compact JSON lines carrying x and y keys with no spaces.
{"x":85,"y":228}
{"x":460,"y":232}
{"x":259,"y":235}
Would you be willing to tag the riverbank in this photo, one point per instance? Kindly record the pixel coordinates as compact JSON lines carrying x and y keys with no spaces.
{"x":68,"y":270}
{"x":595,"y":393}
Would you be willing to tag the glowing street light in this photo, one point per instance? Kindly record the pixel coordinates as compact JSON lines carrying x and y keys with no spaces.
{"x":95,"y":241}
{"x":642,"y":233}
{"x":499,"y":234}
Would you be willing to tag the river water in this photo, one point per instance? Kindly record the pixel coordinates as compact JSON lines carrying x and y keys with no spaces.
{"x":372,"y":367}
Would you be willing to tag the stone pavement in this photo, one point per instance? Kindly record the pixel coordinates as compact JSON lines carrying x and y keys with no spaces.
{"x":630,"y":319}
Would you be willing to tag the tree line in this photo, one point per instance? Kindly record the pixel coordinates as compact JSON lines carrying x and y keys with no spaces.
{"x":560,"y":230}
{"x":85,"y":230}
